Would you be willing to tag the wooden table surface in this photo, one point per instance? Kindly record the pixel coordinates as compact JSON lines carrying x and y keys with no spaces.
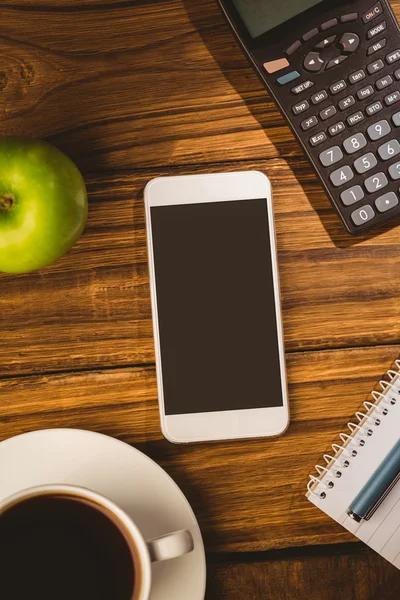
{"x":135,"y":89}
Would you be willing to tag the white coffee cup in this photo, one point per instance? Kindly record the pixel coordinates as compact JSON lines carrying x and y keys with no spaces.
{"x":143,"y":553}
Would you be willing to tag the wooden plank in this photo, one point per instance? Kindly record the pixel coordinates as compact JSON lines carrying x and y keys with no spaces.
{"x":247,"y":495}
{"x":358,"y":574}
{"x":92,"y":308}
{"x":153,"y":94}
{"x":136,"y":84}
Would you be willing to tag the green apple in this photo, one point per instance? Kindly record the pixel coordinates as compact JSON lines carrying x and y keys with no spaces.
{"x":43,"y":204}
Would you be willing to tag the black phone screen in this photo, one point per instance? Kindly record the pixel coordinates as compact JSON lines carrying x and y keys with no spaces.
{"x":216,"y":307}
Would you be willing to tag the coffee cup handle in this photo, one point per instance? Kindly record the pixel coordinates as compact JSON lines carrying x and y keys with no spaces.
{"x":170,"y":546}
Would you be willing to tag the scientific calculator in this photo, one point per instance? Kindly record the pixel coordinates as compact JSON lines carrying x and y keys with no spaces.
{"x":333,"y":68}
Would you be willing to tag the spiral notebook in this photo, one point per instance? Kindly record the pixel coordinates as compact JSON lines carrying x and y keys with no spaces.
{"x":345,"y":471}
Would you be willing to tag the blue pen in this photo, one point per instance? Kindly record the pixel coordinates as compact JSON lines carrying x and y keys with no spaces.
{"x":378,"y":487}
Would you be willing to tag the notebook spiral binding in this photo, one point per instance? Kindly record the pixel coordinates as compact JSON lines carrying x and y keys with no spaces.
{"x":359,"y":433}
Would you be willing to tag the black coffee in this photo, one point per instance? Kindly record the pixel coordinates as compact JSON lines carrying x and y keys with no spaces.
{"x":59,"y":548}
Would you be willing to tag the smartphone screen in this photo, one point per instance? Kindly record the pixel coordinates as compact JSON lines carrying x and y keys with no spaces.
{"x":216,"y":307}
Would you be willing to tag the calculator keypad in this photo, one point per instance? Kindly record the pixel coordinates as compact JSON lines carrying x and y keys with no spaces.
{"x":352,"y":120}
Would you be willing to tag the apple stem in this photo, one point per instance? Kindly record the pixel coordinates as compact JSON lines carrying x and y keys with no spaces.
{"x":7,"y":201}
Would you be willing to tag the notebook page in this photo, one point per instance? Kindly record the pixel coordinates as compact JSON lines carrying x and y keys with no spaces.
{"x":382,"y":531}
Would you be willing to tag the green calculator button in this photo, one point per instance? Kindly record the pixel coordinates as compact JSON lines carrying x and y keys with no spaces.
{"x":288,"y":77}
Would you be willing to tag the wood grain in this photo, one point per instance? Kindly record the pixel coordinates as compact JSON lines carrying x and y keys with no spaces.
{"x":136,"y":84}
{"x":92,"y":308}
{"x":247,"y":495}
{"x":132,"y":90}
{"x":357,"y":574}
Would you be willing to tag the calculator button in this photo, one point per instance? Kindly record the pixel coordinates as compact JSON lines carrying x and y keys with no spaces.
{"x":376,"y":47}
{"x":276,"y":65}
{"x":394,"y":171}
{"x":376,"y":66}
{"x":310,"y":34}
{"x":301,"y":107}
{"x":319,"y":97}
{"x":383,"y":83}
{"x":329,"y":24}
{"x":389,"y":150}
{"x":373,"y":109}
{"x":365,"y":163}
{"x":365,"y":92}
{"x":337,"y":128}
{"x":313,"y":62}
{"x":379,"y":130}
{"x":285,"y":79}
{"x":331,"y":156}
{"x":326,"y":42}
{"x":393,"y":57}
{"x":397,"y":74}
{"x":396,"y":119}
{"x":293,"y":48}
{"x":376,"y":182}
{"x":362,"y":215}
{"x":355,"y":143}
{"x":349,"y":42}
{"x":376,"y":30}
{"x":318,"y":138}
{"x":302,"y":87}
{"x":336,"y":61}
{"x":337,"y":87}
{"x":352,"y":195}
{"x":392,"y":98}
{"x":357,"y":76}
{"x":386,"y":202}
{"x":348,"y":18}
{"x":309,"y":123}
{"x":346,"y":102}
{"x":327,"y":113}
{"x":356,"y":118}
{"x":342,"y":176}
{"x":373,"y":12}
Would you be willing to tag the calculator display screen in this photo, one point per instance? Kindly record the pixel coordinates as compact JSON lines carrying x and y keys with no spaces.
{"x":260,"y":16}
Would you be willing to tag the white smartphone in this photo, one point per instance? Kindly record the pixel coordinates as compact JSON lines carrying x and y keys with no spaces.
{"x":216,"y":307}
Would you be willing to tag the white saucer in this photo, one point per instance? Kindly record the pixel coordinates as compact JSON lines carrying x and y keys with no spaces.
{"x":123,"y":474}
